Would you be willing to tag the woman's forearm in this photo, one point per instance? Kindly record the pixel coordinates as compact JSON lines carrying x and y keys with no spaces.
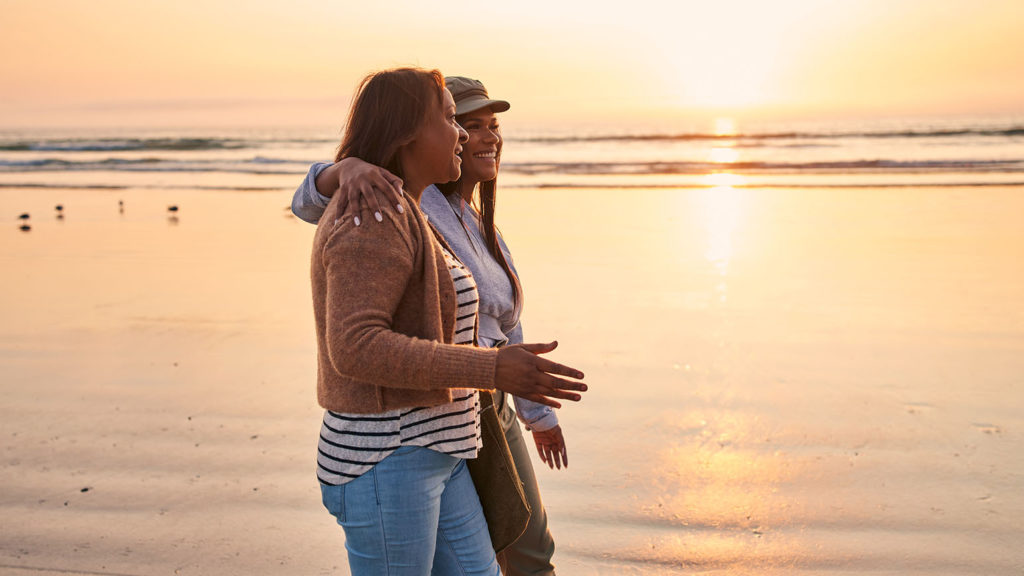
{"x":366,"y":274}
{"x":308,"y":204}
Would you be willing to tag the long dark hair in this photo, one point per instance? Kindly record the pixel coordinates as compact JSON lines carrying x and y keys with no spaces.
{"x":488,"y":192}
{"x":387,"y":110}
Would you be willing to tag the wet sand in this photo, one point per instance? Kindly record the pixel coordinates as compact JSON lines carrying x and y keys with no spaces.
{"x":782,"y":381}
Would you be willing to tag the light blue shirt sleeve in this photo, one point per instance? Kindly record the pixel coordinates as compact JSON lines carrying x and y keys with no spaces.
{"x":533,"y":415}
{"x":307,"y":203}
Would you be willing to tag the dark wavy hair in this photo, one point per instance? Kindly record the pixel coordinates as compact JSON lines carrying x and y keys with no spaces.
{"x":387,"y":110}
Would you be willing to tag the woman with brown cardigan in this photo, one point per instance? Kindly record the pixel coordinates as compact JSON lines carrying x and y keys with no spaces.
{"x":398,"y":372}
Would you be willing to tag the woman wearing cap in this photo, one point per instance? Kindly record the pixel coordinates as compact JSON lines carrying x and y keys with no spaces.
{"x":475,"y":241}
{"x":391,"y":306}
{"x":473,"y":236}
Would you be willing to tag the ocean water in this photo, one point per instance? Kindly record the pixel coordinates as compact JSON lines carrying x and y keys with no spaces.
{"x":936,"y":152}
{"x":805,"y":347}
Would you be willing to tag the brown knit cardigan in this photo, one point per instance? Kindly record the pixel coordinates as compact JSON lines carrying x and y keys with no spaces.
{"x":385,"y":306}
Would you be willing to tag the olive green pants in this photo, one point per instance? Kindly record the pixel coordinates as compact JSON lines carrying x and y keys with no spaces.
{"x":531,"y":553}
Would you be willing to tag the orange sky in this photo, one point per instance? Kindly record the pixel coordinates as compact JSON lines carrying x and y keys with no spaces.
{"x":132,"y":62}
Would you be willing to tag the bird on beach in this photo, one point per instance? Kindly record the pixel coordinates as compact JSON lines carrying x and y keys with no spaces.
{"x":24,"y":216}
{"x":60,"y":211}
{"x":24,"y":227}
{"x":172,"y":208}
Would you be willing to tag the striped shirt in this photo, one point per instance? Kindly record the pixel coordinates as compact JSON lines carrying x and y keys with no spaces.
{"x":351,"y":444}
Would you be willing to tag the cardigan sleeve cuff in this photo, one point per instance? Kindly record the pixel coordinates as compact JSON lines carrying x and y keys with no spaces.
{"x":464,"y":367}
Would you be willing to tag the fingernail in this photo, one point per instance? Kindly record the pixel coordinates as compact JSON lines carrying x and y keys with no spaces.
{"x":400,"y":209}
{"x":378,"y":216}
{"x":357,"y":220}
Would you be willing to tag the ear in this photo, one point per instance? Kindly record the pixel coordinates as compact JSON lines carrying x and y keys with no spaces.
{"x":402,"y":149}
{"x":401,"y":155}
{"x":407,"y":140}
{"x":402,"y":146}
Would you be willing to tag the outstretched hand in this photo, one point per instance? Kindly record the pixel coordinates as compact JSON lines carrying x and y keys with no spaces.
{"x":521,"y":372}
{"x":360,"y":185}
{"x":551,"y":447}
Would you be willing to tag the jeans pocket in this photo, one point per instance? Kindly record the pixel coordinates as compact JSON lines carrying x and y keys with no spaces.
{"x":334,"y":500}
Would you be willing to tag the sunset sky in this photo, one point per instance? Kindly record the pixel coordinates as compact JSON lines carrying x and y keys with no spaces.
{"x":137,"y":62}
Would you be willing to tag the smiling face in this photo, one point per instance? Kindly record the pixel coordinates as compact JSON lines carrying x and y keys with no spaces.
{"x":433,"y":154}
{"x":481,"y":152}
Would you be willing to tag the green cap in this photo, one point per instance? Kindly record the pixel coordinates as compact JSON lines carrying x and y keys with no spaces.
{"x":470,"y":96}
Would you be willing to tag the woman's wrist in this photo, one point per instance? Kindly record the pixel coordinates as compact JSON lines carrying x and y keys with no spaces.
{"x":327,"y":180}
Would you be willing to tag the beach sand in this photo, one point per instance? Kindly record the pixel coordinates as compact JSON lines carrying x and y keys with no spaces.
{"x":782,"y":381}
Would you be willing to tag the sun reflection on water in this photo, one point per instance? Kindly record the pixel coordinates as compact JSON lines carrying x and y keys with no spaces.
{"x":720,"y":207}
{"x":722,"y":486}
{"x":724,"y":126}
{"x":723,"y":179}
{"x":723,"y":155}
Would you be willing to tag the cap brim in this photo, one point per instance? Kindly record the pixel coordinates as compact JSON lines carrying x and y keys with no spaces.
{"x":473,"y":105}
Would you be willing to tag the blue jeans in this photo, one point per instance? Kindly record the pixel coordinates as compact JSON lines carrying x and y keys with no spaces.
{"x":415,"y":512}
